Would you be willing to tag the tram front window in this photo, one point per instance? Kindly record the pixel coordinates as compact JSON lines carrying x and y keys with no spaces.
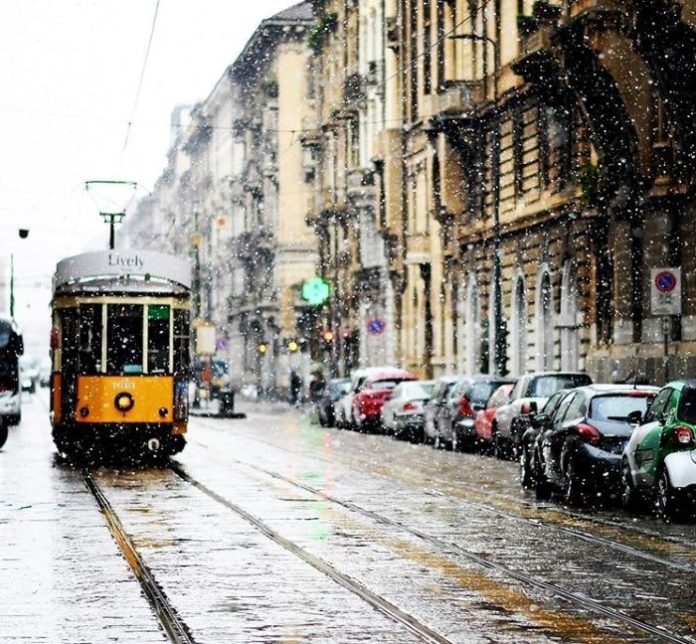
{"x":158,"y":338}
{"x":125,"y":338}
{"x":90,"y":338}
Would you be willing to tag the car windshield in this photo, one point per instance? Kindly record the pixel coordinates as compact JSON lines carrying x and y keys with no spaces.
{"x":687,"y":406}
{"x":480,"y":392}
{"x":385,"y":384}
{"x":417,"y":390}
{"x":546,"y":386}
{"x":618,"y":407}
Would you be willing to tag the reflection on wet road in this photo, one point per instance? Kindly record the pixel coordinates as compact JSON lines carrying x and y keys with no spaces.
{"x":275,"y":530}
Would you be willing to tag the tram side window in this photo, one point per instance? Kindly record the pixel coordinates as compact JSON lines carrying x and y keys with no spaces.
{"x":124,"y":353}
{"x":181,"y":341}
{"x":69,"y":341}
{"x":90,"y":338}
{"x":158,"y":338}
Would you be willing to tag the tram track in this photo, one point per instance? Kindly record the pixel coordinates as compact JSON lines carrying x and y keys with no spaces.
{"x":174,"y":627}
{"x":382,"y":605}
{"x":687,"y":544}
{"x":576,"y":599}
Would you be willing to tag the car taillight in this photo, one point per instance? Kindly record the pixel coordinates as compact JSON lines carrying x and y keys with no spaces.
{"x":526,"y":408}
{"x":683,"y":436}
{"x":410,"y":406}
{"x":588,"y":434}
{"x":465,"y":407}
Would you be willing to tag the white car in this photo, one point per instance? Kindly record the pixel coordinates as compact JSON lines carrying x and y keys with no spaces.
{"x":406,"y":404}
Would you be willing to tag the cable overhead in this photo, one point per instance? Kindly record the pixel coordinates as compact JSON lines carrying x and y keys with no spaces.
{"x":142,"y":75}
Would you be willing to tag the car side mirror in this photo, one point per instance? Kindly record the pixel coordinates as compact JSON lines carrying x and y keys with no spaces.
{"x":477,"y":406}
{"x":635,"y":417}
{"x":540,"y":421}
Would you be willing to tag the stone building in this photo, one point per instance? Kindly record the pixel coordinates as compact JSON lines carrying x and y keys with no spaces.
{"x":233,"y":197}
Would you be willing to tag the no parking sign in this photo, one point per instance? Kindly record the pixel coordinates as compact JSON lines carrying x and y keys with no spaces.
{"x":665,"y":291}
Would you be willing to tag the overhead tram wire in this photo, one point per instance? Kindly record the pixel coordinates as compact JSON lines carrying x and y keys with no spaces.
{"x":142,"y":75}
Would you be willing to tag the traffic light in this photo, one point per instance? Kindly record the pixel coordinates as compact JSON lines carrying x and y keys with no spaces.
{"x":327,"y":339}
{"x":292,"y":346}
{"x":262,"y":348}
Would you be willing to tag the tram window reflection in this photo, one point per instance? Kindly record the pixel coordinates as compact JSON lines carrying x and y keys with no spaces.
{"x":90,"y":338}
{"x":125,"y":338}
{"x":158,"y":338}
{"x":181,"y":341}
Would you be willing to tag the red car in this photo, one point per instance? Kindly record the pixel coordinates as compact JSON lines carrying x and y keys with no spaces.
{"x":483,"y":424}
{"x":374,"y":392}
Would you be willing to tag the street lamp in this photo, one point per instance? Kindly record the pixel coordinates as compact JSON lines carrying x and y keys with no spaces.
{"x":23,"y":234}
{"x":500,"y":346}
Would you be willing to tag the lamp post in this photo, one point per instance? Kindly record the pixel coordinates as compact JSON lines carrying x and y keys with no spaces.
{"x":23,"y":234}
{"x":500,"y":345}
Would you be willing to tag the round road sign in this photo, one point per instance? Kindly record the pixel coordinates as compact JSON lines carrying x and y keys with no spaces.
{"x":665,"y":281}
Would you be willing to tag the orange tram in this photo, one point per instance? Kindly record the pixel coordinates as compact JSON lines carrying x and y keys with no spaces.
{"x":121,"y":354}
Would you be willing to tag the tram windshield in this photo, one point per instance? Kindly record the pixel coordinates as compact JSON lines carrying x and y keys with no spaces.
{"x":125,"y":338}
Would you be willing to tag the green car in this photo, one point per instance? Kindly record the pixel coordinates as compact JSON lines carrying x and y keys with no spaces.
{"x":659,"y":461}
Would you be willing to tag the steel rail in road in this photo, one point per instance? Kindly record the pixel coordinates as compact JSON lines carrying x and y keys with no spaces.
{"x":379,"y":603}
{"x":485,"y":562}
{"x":686,"y":543}
{"x":175,"y":628}
{"x":524,"y":578}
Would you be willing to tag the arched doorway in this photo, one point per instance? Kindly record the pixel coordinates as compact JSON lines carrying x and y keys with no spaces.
{"x":473,"y":328}
{"x":519,"y":328}
{"x":568,"y":319}
{"x":544,"y":322}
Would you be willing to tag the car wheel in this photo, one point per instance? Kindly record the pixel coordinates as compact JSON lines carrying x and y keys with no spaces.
{"x":526,"y":470}
{"x":322,"y":421}
{"x":3,"y":433}
{"x":574,"y":491}
{"x":630,"y":499}
{"x":666,"y":498}
{"x":542,"y":487}
{"x":499,"y":450}
{"x":14,"y":419}
{"x":456,"y":440}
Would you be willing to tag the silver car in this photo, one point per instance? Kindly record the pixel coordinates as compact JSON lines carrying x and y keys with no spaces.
{"x":402,"y":414}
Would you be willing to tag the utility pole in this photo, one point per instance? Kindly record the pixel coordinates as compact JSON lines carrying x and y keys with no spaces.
{"x":112,"y":208}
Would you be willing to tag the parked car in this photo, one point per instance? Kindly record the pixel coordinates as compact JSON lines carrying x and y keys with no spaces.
{"x":529,"y":394}
{"x":538,"y":423}
{"x":468,"y":396}
{"x":335,"y":388}
{"x":28,"y":373}
{"x":579,"y":450}
{"x":659,"y":461}
{"x":483,"y":421}
{"x":402,"y":414}
{"x":441,"y":390}
{"x":369,"y":399}
{"x":343,"y":408}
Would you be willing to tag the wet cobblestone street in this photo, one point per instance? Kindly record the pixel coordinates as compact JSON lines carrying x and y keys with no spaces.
{"x":271,"y":529}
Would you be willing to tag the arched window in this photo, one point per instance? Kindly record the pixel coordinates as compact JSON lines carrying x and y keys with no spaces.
{"x":568,"y":319}
{"x":473,"y":328}
{"x":544,"y":322}
{"x":519,"y":328}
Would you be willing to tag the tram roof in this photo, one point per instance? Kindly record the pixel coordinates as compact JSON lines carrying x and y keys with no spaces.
{"x":122,"y":271}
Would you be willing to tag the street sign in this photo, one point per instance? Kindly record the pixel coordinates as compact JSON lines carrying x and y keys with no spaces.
{"x":665,"y":291}
{"x":376,"y":326}
{"x":315,"y":291}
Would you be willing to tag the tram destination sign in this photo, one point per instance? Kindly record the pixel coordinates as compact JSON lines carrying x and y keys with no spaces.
{"x":665,"y":291}
{"x":118,"y":263}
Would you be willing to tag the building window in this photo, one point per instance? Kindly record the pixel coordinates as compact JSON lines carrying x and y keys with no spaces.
{"x":519,"y":328}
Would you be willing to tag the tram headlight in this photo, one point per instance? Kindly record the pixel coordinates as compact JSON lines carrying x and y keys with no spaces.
{"x":124,"y":401}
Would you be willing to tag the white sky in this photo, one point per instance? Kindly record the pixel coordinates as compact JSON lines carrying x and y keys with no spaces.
{"x":69,"y":72}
